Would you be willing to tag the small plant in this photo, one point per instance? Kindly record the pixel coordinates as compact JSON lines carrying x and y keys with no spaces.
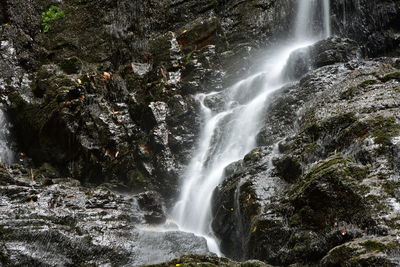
{"x":51,"y":15}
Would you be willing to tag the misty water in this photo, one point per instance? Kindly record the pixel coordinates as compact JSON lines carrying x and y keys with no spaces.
{"x":228,"y":134}
{"x":6,"y":153}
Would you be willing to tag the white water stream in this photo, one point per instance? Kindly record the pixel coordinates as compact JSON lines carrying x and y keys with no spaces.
{"x":229,"y":134}
{"x":6,"y":153}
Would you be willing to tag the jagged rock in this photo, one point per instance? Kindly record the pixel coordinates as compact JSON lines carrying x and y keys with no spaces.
{"x":373,"y":26}
{"x":343,"y":184}
{"x":200,"y":33}
{"x":326,"y":52}
{"x":60,"y":222}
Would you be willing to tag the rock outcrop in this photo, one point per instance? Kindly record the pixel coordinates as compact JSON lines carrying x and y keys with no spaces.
{"x":331,"y":180}
{"x":56,"y":222}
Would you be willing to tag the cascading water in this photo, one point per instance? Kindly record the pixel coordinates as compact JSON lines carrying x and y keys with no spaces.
{"x":6,"y":153}
{"x":229,"y":134}
{"x":327,"y":20}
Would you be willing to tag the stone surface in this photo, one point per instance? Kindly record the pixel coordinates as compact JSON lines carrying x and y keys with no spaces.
{"x":324,"y":180}
{"x":57,"y":222}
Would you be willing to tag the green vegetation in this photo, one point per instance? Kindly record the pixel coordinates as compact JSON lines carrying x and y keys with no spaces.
{"x":349,"y":93}
{"x":54,"y":13}
{"x":391,"y":76}
{"x":353,"y":90}
{"x":367,"y":83}
{"x":383,"y":129}
{"x":188,"y":57}
{"x":372,"y":245}
{"x":343,"y":253}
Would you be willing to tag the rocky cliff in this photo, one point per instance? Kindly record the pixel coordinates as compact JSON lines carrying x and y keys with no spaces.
{"x":102,"y":91}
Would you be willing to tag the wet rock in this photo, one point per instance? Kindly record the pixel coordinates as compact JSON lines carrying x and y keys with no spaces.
{"x":239,"y":209}
{"x":326,"y":52}
{"x":153,"y":204}
{"x":71,"y":65}
{"x":200,"y":33}
{"x":328,"y":193}
{"x":338,"y":140}
{"x":365,"y":252}
{"x":288,"y":168}
{"x":359,"y":21}
{"x":94,"y":115}
{"x":203,"y":260}
{"x":63,"y":223}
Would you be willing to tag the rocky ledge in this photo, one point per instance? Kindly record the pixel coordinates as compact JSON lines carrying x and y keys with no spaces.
{"x":57,"y":222}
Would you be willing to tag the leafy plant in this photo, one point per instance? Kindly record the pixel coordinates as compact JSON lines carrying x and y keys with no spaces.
{"x":54,"y":13}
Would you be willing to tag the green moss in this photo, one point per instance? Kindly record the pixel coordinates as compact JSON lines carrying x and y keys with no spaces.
{"x":313,"y":129}
{"x":48,"y":17}
{"x":342,"y":253}
{"x":392,"y":188}
{"x":367,"y":83}
{"x":352,"y":91}
{"x":372,"y":245}
{"x":349,"y":93}
{"x":188,"y":57}
{"x":356,"y":172}
{"x":378,"y":203}
{"x":383,"y":129}
{"x":137,"y":179}
{"x":391,"y":76}
{"x":327,"y":192}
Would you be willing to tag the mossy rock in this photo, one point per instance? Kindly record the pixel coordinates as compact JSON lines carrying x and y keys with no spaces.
{"x":329,"y":192}
{"x":71,"y":65}
{"x":208,"y":261}
{"x":383,"y":129}
{"x":288,"y":167}
{"x":315,"y":128}
{"x":372,"y":252}
{"x":354,"y":90}
{"x":391,"y":76}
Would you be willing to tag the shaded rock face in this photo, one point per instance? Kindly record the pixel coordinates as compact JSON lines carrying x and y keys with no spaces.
{"x":113,"y":100}
{"x":57,"y":222}
{"x":375,"y":26}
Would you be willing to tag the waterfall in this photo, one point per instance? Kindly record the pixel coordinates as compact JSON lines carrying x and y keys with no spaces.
{"x":306,"y":20}
{"x":229,"y":134}
{"x":303,"y":28}
{"x":6,"y":153}
{"x":326,"y":18}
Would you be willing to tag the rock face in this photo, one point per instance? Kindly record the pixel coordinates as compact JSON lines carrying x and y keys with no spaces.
{"x":105,"y":94}
{"x":57,"y":222}
{"x":330,"y":181}
{"x":325,"y":52}
{"x":375,"y":26}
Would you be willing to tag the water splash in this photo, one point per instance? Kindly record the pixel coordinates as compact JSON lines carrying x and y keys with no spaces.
{"x":229,"y":134}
